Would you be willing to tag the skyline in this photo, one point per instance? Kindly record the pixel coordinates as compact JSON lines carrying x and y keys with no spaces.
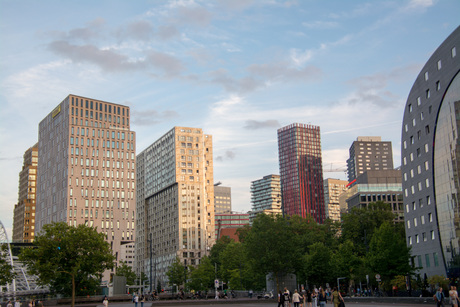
{"x":239,"y":70}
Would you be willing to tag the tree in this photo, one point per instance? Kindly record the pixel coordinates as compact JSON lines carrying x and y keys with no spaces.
{"x":126,"y":271}
{"x":176,"y":273}
{"x":202,"y":278}
{"x":6,"y":269}
{"x":388,"y":253}
{"x":273,"y":246}
{"x":70,"y":259}
{"x":318,"y":264}
{"x":359,"y":224}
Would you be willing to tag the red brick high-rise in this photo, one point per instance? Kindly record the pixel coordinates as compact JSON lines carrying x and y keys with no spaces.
{"x":301,"y":171}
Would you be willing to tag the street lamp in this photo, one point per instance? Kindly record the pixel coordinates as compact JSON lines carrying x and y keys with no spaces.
{"x":151,"y":260}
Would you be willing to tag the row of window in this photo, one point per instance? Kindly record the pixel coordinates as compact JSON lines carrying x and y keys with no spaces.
{"x":428,"y":261}
{"x":89,"y":104}
{"x":422,"y":220}
{"x":95,"y":153}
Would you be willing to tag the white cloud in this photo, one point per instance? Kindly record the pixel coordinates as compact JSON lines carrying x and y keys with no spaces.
{"x":321,"y":24}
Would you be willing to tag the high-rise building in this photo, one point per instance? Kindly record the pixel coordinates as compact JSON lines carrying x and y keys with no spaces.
{"x":86,"y":169}
{"x":369,"y":153}
{"x":332,"y":190}
{"x":222,"y":199}
{"x":24,"y":210}
{"x":175,"y":201}
{"x":301,"y":171}
{"x":430,"y":163}
{"x":266,"y":196}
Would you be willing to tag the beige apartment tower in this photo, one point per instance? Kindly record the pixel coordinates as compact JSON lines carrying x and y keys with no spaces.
{"x":175,"y":202}
{"x":333,"y":188}
{"x":24,"y":210}
{"x":86,"y":169}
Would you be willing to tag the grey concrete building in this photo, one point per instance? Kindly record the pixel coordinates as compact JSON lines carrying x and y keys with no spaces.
{"x":333,"y":188}
{"x":374,"y":186}
{"x":369,"y":153}
{"x":86,"y":169}
{"x":222,"y":199}
{"x":430,"y":153}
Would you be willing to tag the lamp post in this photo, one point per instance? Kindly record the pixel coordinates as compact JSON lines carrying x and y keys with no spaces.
{"x":151,"y":260}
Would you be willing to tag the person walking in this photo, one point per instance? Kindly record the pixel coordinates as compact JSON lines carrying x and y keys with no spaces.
{"x":439,"y":297}
{"x":303,"y":294}
{"x":296,"y":298}
{"x":287,"y":298}
{"x":322,"y":297}
{"x":308,"y":298}
{"x":17,"y":303}
{"x":453,"y":295}
{"x":280,"y":299}
{"x":142,"y":300}
{"x":136,"y":300}
{"x":336,"y":297}
{"x":105,"y":301}
{"x":9,"y":304}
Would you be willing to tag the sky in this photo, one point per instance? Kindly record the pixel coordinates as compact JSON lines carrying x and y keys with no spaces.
{"x":238,"y":69}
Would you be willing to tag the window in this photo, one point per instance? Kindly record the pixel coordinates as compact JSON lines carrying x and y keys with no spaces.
{"x":435,"y":259}
{"x":419,"y":260}
{"x":427,"y":260}
{"x":432,"y":234}
{"x":410,"y":240}
{"x":419,"y":101}
{"x":410,"y":108}
{"x":408,"y":224}
{"x":428,"y":93}
{"x":426,"y":76}
{"x":454,"y":52}
{"x":439,"y":65}
{"x":417,"y":240}
{"x":438,"y":85}
{"x":415,"y":222}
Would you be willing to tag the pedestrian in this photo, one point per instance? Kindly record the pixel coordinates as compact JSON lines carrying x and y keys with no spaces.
{"x":438,"y":297}
{"x":136,"y":300}
{"x":17,"y":303}
{"x":251,"y":293}
{"x":280,"y":299}
{"x":9,"y":304}
{"x":296,"y":298}
{"x":105,"y":301}
{"x":453,"y":295}
{"x":142,"y":300}
{"x":309,"y":298}
{"x":322,"y":297}
{"x":336,"y":297}
{"x":303,"y":294}
{"x":314,"y":294}
{"x":287,"y":297}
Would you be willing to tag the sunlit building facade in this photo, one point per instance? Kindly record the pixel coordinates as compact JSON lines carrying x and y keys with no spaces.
{"x":86,"y":169}
{"x":301,"y":171}
{"x":222,"y":199}
{"x":266,"y":196}
{"x":430,"y":163}
{"x":332,"y":190}
{"x":175,"y":201}
{"x":24,"y":210}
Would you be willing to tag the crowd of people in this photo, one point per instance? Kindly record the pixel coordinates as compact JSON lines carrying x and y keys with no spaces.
{"x":307,"y":298}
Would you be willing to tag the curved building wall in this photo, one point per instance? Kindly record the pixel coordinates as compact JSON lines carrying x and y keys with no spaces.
{"x":429,"y":162}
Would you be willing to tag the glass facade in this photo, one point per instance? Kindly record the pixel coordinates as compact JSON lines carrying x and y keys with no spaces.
{"x":446,"y":174}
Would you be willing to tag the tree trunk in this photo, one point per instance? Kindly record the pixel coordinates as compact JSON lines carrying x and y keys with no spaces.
{"x":73,"y":290}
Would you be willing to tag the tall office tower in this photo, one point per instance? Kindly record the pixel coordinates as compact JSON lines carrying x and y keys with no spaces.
{"x":332,"y":190}
{"x":430,"y":163}
{"x":175,"y":202}
{"x":265,"y":196}
{"x":24,"y":210}
{"x":222,"y":199}
{"x":369,"y":153}
{"x":301,"y":171}
{"x":86,"y":169}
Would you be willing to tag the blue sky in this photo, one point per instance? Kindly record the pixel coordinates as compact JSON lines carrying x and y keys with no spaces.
{"x":238,"y":69}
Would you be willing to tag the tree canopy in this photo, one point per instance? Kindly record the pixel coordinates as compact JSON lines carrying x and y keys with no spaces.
{"x":6,"y":269}
{"x":69,"y":259}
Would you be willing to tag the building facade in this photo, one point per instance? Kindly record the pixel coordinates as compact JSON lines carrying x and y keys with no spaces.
{"x":378,"y":186}
{"x":266,"y":196}
{"x":24,"y":210}
{"x":333,"y":188}
{"x":175,"y":201}
{"x":222,"y":199}
{"x":430,"y":154}
{"x":369,"y":153}
{"x":227,"y":224}
{"x":301,"y":171}
{"x":86,"y":169}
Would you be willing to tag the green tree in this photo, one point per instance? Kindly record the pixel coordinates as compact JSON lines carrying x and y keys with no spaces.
{"x":388,"y":253}
{"x":126,"y":271}
{"x":202,"y":277}
{"x":177,"y":273}
{"x":438,"y":281}
{"x":359,"y":224}
{"x":347,"y":263}
{"x":318,"y":265}
{"x":70,"y":259}
{"x":6,"y":269}
{"x":272,"y":245}
{"x":215,"y":253}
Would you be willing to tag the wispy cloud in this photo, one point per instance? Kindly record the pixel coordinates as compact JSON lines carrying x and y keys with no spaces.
{"x":151,"y":117}
{"x":255,"y":124}
{"x":320,"y":24}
